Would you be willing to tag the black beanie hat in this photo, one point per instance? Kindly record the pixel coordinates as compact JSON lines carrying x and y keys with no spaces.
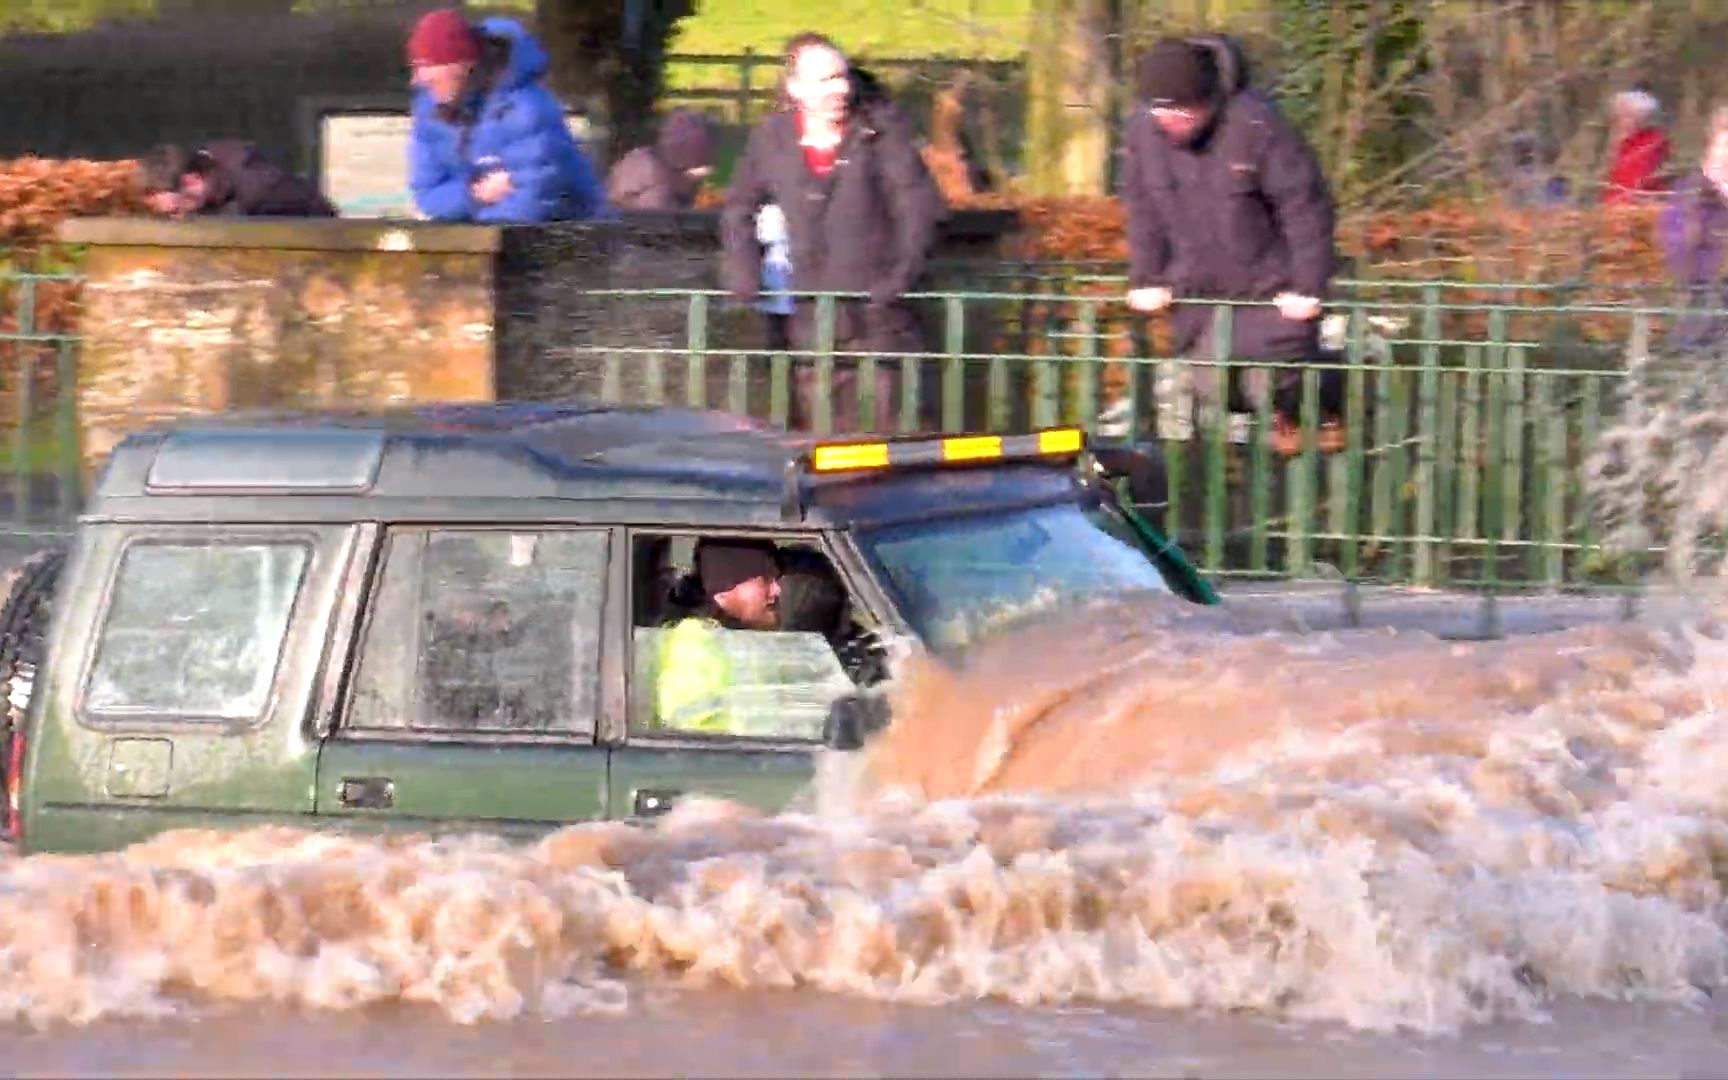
{"x":725,"y":564}
{"x":1175,"y":72}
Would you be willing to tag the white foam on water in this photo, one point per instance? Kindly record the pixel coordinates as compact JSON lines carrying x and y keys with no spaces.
{"x":1385,"y":831}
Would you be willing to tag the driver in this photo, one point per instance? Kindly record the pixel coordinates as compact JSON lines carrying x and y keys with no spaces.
{"x":741,"y":582}
{"x":813,"y":601}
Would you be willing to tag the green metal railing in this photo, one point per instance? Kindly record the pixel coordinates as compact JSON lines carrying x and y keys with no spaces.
{"x":39,"y":464}
{"x":1464,"y":431}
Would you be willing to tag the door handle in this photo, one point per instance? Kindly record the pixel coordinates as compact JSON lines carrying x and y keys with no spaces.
{"x":652,"y":802}
{"x":367,"y":792}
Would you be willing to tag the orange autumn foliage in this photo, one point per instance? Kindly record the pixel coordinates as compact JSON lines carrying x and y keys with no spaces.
{"x":36,"y":195}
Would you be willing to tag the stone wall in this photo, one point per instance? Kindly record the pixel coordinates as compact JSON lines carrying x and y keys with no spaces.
{"x":206,"y":316}
{"x":586,"y":309}
{"x":575,"y":300}
{"x":203,"y":316}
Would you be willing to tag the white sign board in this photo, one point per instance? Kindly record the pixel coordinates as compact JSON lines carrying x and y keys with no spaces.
{"x":363,"y":162}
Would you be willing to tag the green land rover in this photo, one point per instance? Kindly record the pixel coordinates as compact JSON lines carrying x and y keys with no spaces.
{"x":448,"y":618}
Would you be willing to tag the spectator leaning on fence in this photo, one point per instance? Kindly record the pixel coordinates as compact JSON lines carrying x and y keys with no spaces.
{"x":1226,"y":200}
{"x":861,"y":210}
{"x":1693,"y":232}
{"x":226,"y":179}
{"x":667,"y":175}
{"x":490,"y":142}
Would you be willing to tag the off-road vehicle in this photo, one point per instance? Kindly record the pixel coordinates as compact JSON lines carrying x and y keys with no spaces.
{"x":450,"y":617}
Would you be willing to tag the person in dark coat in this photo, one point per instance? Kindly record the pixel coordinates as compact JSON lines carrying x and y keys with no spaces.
{"x":1226,"y":200}
{"x":1693,"y":233}
{"x":861,"y":209}
{"x":228,"y":179}
{"x":667,"y":175}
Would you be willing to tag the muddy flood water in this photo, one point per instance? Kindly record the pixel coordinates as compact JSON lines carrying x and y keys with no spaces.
{"x":1135,"y":839}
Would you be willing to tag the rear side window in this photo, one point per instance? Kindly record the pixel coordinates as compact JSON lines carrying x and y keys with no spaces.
{"x":195,"y":631}
{"x":479,"y":630}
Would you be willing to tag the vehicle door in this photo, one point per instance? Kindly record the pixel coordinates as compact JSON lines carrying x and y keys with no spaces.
{"x":181,"y":684}
{"x":474,"y":688}
{"x":779,"y":687}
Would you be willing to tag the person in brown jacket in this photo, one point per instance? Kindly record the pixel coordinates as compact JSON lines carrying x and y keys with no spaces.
{"x":1226,"y":200}
{"x":861,"y":210}
{"x":667,"y":175}
{"x":228,"y":179}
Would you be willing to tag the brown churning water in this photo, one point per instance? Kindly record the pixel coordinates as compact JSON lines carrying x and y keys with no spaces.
{"x":1143,"y":803}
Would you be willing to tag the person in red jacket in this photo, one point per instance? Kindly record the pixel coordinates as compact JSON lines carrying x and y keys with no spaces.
{"x":1640,"y":149}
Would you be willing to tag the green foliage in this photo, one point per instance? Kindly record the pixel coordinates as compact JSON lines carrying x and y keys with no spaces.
{"x":959,"y":29}
{"x":974,"y":29}
{"x":981,"y":29}
{"x":60,"y":16}
{"x":1360,"y":119}
{"x":1304,"y":32}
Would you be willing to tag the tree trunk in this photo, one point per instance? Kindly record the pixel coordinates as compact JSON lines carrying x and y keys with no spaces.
{"x":1070,"y":81}
{"x":608,"y":60}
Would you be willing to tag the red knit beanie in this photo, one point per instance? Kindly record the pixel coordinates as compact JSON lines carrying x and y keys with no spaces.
{"x":443,"y":37}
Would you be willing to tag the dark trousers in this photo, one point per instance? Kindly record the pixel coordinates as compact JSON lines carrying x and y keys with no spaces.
{"x":1259,"y":334}
{"x":881,"y":331}
{"x":777,"y":329}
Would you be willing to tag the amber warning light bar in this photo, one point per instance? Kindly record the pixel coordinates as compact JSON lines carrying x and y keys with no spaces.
{"x":948,"y":450}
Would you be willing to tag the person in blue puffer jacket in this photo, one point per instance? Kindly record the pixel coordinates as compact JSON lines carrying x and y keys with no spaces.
{"x":489,"y":142}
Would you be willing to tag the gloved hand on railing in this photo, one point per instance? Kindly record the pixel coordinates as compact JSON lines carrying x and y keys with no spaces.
{"x":1297,"y":308}
{"x":1155,"y":298}
{"x":1150,"y":300}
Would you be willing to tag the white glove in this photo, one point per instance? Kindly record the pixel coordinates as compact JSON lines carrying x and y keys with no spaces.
{"x":770,"y":225}
{"x":1297,"y":308}
{"x":1716,"y":162}
{"x":1152,"y":299}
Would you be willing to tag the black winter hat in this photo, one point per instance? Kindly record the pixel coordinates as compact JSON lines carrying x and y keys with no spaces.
{"x":1177,"y":72}
{"x":686,"y":140}
{"x":725,"y":564}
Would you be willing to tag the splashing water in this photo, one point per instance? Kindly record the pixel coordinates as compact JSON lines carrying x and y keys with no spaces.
{"x":1384,"y":830}
{"x":1659,"y":476}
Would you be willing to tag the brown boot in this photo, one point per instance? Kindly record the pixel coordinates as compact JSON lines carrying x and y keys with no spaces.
{"x":1285,"y":437}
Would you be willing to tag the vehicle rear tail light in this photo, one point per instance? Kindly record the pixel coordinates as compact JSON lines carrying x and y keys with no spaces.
{"x":14,"y":782}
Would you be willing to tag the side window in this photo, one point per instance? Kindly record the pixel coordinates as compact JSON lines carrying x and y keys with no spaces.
{"x":195,"y":631}
{"x":475,"y":630}
{"x":698,"y":670}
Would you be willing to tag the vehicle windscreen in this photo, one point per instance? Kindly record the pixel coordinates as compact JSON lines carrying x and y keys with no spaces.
{"x":960,"y":578}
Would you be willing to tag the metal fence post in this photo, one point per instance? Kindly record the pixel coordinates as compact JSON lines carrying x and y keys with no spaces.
{"x":696,"y":352}
{"x":821,"y":407}
{"x":22,"y":473}
{"x":1427,"y":436}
